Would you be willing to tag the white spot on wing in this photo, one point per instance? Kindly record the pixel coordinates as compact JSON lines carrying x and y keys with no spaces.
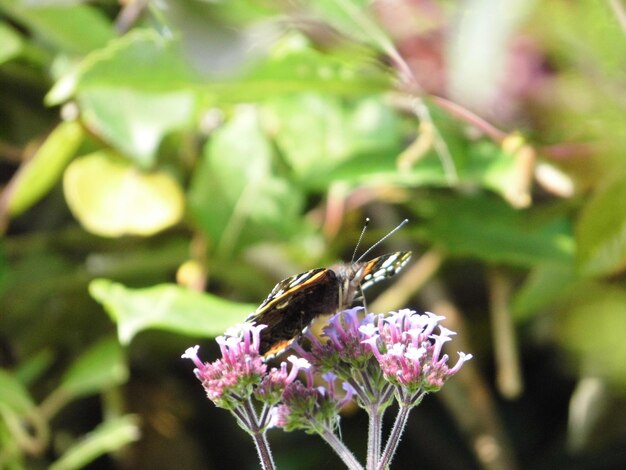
{"x":389,"y":262}
{"x":300,"y":279}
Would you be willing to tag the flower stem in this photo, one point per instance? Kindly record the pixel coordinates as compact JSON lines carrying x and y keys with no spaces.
{"x":263,"y":449}
{"x":257,"y":431}
{"x":394,"y":437}
{"x":340,"y":449}
{"x":374,"y":433}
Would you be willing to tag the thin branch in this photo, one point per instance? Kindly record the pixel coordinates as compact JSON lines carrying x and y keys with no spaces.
{"x":471,"y":118}
{"x":509,"y":377}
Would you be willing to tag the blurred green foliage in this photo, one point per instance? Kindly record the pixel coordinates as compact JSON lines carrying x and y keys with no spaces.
{"x":154,"y":150}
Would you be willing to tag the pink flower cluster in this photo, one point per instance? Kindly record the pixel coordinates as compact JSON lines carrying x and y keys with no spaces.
{"x":239,"y":369}
{"x":409,"y":352}
{"x":376,"y":358}
{"x":312,"y":408}
{"x":374,"y":355}
{"x":344,"y":348}
{"x":276,"y":381}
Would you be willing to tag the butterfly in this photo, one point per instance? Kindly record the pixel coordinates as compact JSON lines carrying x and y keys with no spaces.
{"x":296,"y":301}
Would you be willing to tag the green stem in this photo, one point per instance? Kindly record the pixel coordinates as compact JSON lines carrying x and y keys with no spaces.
{"x":374,"y":434}
{"x":394,"y":437}
{"x":263,"y":449}
{"x":257,"y":431}
{"x":405,"y":403}
{"x":340,"y":449}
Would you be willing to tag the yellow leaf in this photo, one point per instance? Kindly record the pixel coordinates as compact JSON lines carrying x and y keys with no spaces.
{"x":111,"y":197}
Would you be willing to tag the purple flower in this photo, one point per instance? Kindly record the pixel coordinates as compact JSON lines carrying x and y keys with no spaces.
{"x":313,"y":409}
{"x":237,"y":372}
{"x":274,"y":383}
{"x":374,"y":357}
{"x":344,"y":348}
{"x":408,"y":351}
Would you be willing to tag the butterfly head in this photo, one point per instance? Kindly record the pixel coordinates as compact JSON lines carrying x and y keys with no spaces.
{"x":360,"y":275}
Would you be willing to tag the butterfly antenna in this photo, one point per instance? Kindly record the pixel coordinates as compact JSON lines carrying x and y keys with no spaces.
{"x":400,"y":225}
{"x":367,"y":222}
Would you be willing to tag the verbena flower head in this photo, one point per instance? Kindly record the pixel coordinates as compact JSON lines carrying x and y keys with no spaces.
{"x":376,"y":357}
{"x":312,"y":409}
{"x":409,"y":352}
{"x":344,"y":346}
{"x":274,"y":383}
{"x":235,"y":375}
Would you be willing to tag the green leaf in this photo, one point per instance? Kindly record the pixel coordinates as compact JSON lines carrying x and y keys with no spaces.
{"x":13,"y":395}
{"x":135,"y":122}
{"x":235,"y":196}
{"x":141,"y":60}
{"x":108,"y":437}
{"x":301,"y":69}
{"x":111,"y":197}
{"x":308,"y":127}
{"x":19,"y":421}
{"x":10,"y":43}
{"x":594,"y":328}
{"x":34,"y":367}
{"x":73,"y":28}
{"x":166,"y":307}
{"x":43,"y":171}
{"x":146,"y":62}
{"x":487,"y":228}
{"x":13,"y":458}
{"x":380,"y":168}
{"x":369,"y":155}
{"x":99,"y":368}
{"x":601,"y":231}
{"x":132,"y":93}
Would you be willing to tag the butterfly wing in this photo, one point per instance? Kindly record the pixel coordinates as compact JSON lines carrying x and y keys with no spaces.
{"x":383,"y":267}
{"x":292,"y":305}
{"x":296,"y":301}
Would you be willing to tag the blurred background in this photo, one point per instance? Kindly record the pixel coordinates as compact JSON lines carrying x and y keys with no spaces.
{"x":164,"y":164}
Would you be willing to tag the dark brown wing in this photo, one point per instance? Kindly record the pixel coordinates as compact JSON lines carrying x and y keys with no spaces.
{"x":292,"y":305}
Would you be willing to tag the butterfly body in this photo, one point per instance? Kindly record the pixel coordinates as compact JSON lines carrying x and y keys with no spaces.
{"x":296,"y":301}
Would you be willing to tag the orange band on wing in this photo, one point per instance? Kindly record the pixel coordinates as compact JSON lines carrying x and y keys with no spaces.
{"x":277,"y":348}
